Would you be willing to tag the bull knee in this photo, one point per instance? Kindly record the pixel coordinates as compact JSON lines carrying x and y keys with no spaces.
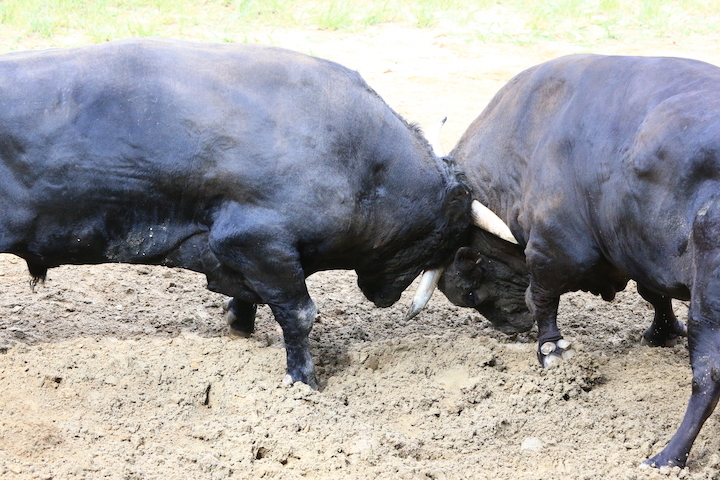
{"x":306,"y":316}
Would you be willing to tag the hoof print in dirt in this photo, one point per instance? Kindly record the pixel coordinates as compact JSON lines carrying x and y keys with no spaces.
{"x":552,"y":353}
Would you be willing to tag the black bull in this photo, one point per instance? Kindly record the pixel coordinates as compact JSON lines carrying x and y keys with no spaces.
{"x":254,"y":165}
{"x":605,"y":169}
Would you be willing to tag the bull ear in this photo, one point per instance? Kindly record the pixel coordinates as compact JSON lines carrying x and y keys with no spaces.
{"x":455,"y":206}
{"x":484,"y":218}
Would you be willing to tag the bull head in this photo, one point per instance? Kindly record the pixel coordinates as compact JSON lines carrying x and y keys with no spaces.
{"x":491,"y":276}
{"x":483,"y":218}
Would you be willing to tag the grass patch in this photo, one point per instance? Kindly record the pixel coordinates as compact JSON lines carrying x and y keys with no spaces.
{"x":520,"y":21}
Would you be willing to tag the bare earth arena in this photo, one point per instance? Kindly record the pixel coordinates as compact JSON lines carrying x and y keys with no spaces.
{"x":127,"y":372}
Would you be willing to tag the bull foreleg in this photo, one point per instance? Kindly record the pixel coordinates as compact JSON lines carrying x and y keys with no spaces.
{"x":557,"y":265}
{"x":551,"y":345}
{"x":270,"y":271}
{"x":666,"y":328}
{"x":293,"y":310}
{"x":296,"y":324}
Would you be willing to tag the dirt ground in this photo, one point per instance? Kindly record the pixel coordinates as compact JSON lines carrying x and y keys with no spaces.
{"x":126,"y":372}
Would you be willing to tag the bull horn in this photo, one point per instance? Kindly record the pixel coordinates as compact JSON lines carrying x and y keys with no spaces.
{"x":484,"y":218}
{"x":428,"y":282}
{"x":433,"y":137}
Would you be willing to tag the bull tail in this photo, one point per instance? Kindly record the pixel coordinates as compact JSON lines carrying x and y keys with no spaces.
{"x":38,"y":273}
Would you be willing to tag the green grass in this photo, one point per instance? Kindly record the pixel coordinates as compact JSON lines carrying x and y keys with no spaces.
{"x":660,"y":17}
{"x":520,"y":21}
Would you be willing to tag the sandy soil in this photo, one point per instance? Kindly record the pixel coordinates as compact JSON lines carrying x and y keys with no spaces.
{"x":125,"y":372}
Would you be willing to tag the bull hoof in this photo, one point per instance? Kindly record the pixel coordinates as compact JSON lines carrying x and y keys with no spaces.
{"x":309,"y":381}
{"x":239,"y":327}
{"x":655,"y":338}
{"x":665,"y":342}
{"x":660,"y":460}
{"x":226,"y":305}
{"x":233,"y":331}
{"x":552,"y":353}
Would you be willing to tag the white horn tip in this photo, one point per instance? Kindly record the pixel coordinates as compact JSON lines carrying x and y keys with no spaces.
{"x":428,"y":282}
{"x":486,"y":219}
{"x":434,"y":137}
{"x":412,"y":311}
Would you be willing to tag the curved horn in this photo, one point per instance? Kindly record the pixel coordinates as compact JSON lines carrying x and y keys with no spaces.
{"x":428,"y":282}
{"x":484,"y":218}
{"x":433,"y":137}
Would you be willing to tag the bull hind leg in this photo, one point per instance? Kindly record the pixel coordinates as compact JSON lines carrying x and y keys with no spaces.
{"x":240,"y":317}
{"x":704,"y":345}
{"x":703,"y":342}
{"x":665,"y":328}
